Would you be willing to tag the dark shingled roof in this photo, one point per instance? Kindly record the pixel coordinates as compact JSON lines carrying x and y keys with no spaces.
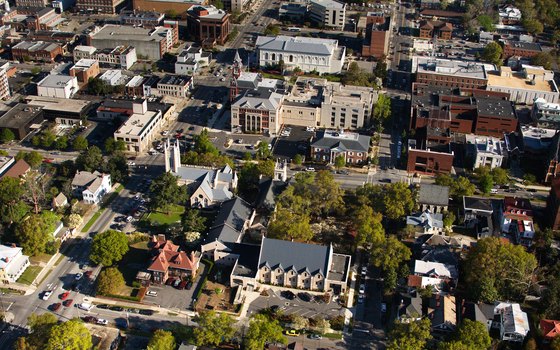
{"x":300,"y":256}
{"x":433,"y":195}
{"x":228,"y":225}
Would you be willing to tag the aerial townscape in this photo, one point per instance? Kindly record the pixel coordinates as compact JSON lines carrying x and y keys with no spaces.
{"x":280,"y":174}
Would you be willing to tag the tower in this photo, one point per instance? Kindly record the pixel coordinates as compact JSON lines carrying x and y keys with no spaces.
{"x":172,"y":155}
{"x":281,"y":171}
{"x":236,"y":70}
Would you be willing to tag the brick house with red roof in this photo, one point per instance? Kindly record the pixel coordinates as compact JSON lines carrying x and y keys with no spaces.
{"x":517,"y":220}
{"x":439,"y":29}
{"x":169,"y":262}
{"x":550,"y":329}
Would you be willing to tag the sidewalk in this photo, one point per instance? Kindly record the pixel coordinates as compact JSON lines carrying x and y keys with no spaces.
{"x":134,"y":305}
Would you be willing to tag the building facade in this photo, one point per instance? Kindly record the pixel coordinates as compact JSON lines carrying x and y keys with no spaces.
{"x":20,"y":119}
{"x":13,"y":263}
{"x":436,"y":29}
{"x":141,"y":128}
{"x":376,"y":40}
{"x":257,"y":111}
{"x":328,"y":13}
{"x":62,"y":86}
{"x":85,"y":69}
{"x":36,"y":51}
{"x":330,"y":144}
{"x":430,"y":161}
{"x":486,"y":151}
{"x":521,"y":48}
{"x":175,"y":85}
{"x":91,"y":187}
{"x":546,"y":115}
{"x":147,"y":19}
{"x":5,"y":92}
{"x":120,"y":56}
{"x":100,"y":6}
{"x":448,"y":73}
{"x":208,"y":25}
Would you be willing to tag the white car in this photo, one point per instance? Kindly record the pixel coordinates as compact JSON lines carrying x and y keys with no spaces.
{"x":129,"y":219}
{"x":78,"y":276}
{"x":310,"y":169}
{"x":131,"y":163}
{"x":165,"y":133}
{"x":383,"y":307}
{"x":364,"y":271}
{"x":151,"y":293}
{"x":362,"y":289}
{"x":47,"y":295}
{"x":361,"y":298}
{"x":102,"y":321}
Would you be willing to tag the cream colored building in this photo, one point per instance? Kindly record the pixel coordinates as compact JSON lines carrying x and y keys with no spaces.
{"x":141,"y":128}
{"x":525,"y":86}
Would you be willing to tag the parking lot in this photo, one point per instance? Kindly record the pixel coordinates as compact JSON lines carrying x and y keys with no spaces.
{"x":297,"y":306}
{"x":286,"y":147}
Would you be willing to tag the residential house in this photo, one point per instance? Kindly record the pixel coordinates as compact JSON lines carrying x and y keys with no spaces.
{"x":509,"y":15}
{"x":511,"y":321}
{"x":550,"y":329}
{"x":444,"y":272}
{"x":436,"y":29}
{"x":426,"y":222}
{"x":60,"y":201}
{"x":207,"y":187}
{"x":234,"y":217}
{"x":479,"y":215}
{"x":329,"y":144}
{"x":301,"y":265}
{"x":91,"y":187}
{"x":191,"y":59}
{"x":18,"y":170}
{"x":434,"y":198}
{"x":478,"y":312}
{"x":12,"y":263}
{"x":169,"y":262}
{"x":410,"y":309}
{"x":517,"y":220}
{"x":442,"y":313}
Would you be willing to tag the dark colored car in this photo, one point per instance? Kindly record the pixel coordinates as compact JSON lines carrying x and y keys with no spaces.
{"x":288,"y":294}
{"x":103,"y":306}
{"x":90,"y":319}
{"x":189,"y":285}
{"x":56,"y":307}
{"x":68,"y":303}
{"x":182,"y":285}
{"x":88,"y":273}
{"x":305,"y":296}
{"x":116,"y":308}
{"x":146,"y":312}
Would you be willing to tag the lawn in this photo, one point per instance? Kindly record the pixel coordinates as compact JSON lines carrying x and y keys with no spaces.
{"x":40,"y":258}
{"x":174,"y":216}
{"x":29,"y":275}
{"x":92,"y":221}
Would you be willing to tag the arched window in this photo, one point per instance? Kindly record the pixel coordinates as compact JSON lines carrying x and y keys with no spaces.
{"x":274,"y":57}
{"x":266,"y":55}
{"x":291,"y":58}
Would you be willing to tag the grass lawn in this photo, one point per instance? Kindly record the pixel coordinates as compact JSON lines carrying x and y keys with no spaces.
{"x":29,"y":275}
{"x":119,"y":188}
{"x":163,"y":218}
{"x":40,"y":258}
{"x":333,"y":335}
{"x":92,"y":221}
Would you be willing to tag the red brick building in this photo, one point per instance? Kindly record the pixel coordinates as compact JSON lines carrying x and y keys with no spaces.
{"x":100,"y":6}
{"x":495,"y":117}
{"x":36,"y":51}
{"x":433,"y":29}
{"x":523,"y":49}
{"x":208,"y":25}
{"x":430,"y":161}
{"x":169,"y":262}
{"x":453,"y":74}
{"x":553,"y":204}
{"x":376,"y":40}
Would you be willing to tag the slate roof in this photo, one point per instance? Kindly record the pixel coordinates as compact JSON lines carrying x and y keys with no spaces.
{"x":203,"y":178}
{"x":248,"y":262}
{"x":425,"y":219}
{"x":343,"y":141}
{"x":87,"y":180}
{"x":230,"y":221}
{"x":298,"y":44}
{"x":477,"y":203}
{"x":269,"y":189}
{"x":483,"y":313}
{"x":312,"y":258}
{"x":428,"y":268}
{"x":261,"y":98}
{"x":433,"y":195}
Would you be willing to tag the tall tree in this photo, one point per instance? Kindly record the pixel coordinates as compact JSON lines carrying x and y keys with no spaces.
{"x":471,"y":335}
{"x":118,"y":168}
{"x":398,"y":200}
{"x":162,"y":340}
{"x":35,"y":187}
{"x":382,"y":108}
{"x":192,"y":221}
{"x":287,"y":224}
{"x":410,"y":335}
{"x":12,"y":208}
{"x":214,"y":329}
{"x":486,"y":183}
{"x":493,"y":267}
{"x":165,"y":191}
{"x":390,"y":254}
{"x":90,"y":160}
{"x":327,"y":194}
{"x":500,"y":176}
{"x":33,"y":158}
{"x":110,"y":281}
{"x":40,"y":329}
{"x":339,"y":162}
{"x":6,"y":135}
{"x":112,"y":145}
{"x":70,"y":335}
{"x":80,"y":143}
{"x":35,"y":232}
{"x":108,"y":247}
{"x":492,"y":53}
{"x":369,"y":229}
{"x":61,"y":143}
{"x":263,"y":152}
{"x":263,"y":330}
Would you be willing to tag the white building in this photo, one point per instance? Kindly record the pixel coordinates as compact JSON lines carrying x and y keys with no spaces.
{"x":509,"y":15}
{"x":525,"y":86}
{"x":329,"y":13}
{"x":141,"y":128}
{"x":120,"y":56}
{"x":309,"y":54}
{"x":486,"y":150}
{"x":12,"y":263}
{"x":513,"y":323}
{"x":91,"y":187}
{"x":4,"y":86}
{"x":53,"y":85}
{"x":190,"y":60}
{"x":175,"y":85}
{"x":545,"y":114}
{"x":112,"y":77}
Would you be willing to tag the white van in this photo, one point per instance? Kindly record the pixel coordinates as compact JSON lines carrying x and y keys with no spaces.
{"x":494,"y":191}
{"x":151,"y":293}
{"x":85,"y":306}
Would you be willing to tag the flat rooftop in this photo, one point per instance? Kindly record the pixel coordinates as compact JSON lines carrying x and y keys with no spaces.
{"x":451,"y":67}
{"x":517,"y":81}
{"x":525,"y":45}
{"x":58,"y":104}
{"x":180,"y":80}
{"x":55,"y":81}
{"x":135,"y":81}
{"x":112,"y":31}
{"x":136,"y":124}
{"x":495,"y":107}
{"x":330,"y":3}
{"x":19,"y":115}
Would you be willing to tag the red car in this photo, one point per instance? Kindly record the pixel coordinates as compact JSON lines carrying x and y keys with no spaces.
{"x":88,"y":273}
{"x":55,"y":307}
{"x":64,"y":295}
{"x":68,"y":303}
{"x":170,"y":281}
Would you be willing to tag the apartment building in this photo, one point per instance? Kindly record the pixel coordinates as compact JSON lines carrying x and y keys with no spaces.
{"x":100,"y":6}
{"x":175,"y":85}
{"x":328,"y":13}
{"x":120,"y":56}
{"x":36,"y":51}
{"x":13,"y":263}
{"x":32,"y":3}
{"x":347,"y":107}
{"x":432,"y":159}
{"x":85,"y":69}
{"x":376,"y":39}
{"x":140,"y":129}
{"x":308,"y":54}
{"x":208,"y":25}
{"x":436,"y":29}
{"x":450,"y":73}
{"x":521,"y":48}
{"x":150,"y":43}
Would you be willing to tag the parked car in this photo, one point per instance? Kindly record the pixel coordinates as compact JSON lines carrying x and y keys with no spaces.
{"x":103,"y":306}
{"x":146,"y":312}
{"x":102,"y":321}
{"x":176,"y":283}
{"x":151,"y":293}
{"x":361,"y":298}
{"x":64,"y":295}
{"x":68,"y":303}
{"x":362,"y":288}
{"x":364,"y":271}
{"x":182,"y":285}
{"x":56,"y":306}
{"x":383,"y":307}
{"x":78,"y":276}
{"x":315,"y":336}
{"x":46,"y":295}
{"x":305,"y":296}
{"x":116,"y":308}
{"x":292,"y":332}
{"x":309,"y":169}
{"x":189,"y":285}
{"x":287,"y":294}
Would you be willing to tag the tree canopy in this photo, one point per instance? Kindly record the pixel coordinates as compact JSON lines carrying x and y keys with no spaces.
{"x":205,"y":153}
{"x":6,"y":135}
{"x":108,"y":247}
{"x":263,"y":330}
{"x":392,"y":200}
{"x":458,"y":187}
{"x":390,"y":255}
{"x":492,"y":53}
{"x":165,"y":191}
{"x":162,"y":340}
{"x":214,"y":328}
{"x":193,"y":221}
{"x":80,"y":143}
{"x":35,"y":232}
{"x":70,"y":335}
{"x":471,"y":335}
{"x":497,"y":270}
{"x":411,"y":335}
{"x":382,"y":108}
{"x":90,"y":160}
{"x":12,"y":208}
{"x":110,"y":281}
{"x":369,"y":229}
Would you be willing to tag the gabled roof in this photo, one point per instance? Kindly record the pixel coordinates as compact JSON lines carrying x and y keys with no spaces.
{"x":478,"y":204}
{"x":302,"y":45}
{"x":443,"y":311}
{"x":299,"y":256}
{"x":428,"y":268}
{"x":550,"y":328}
{"x":17,"y":170}
{"x":433,"y":195}
{"x":425,"y":219}
{"x":166,"y":259}
{"x":230,"y":221}
{"x":60,"y":199}
{"x":344,"y":141}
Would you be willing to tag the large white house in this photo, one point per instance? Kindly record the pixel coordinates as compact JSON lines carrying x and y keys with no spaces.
{"x":309,"y":54}
{"x":12,"y":263}
{"x":91,"y":186}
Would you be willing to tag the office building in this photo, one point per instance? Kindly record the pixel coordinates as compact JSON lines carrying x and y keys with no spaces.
{"x":36,"y":51}
{"x":112,"y":77}
{"x":376,"y":39}
{"x":140,"y":129}
{"x":62,"y":86}
{"x":63,"y":111}
{"x":436,"y":29}
{"x":525,"y":86}
{"x":120,"y":56}
{"x":85,"y":69}
{"x":208,"y":25}
{"x":163,"y":6}
{"x":328,"y":13}
{"x":521,"y":48}
{"x":430,"y":160}
{"x":329,"y":144}
{"x":146,"y":19}
{"x":100,"y":6}
{"x":175,"y":85}
{"x":485,"y":151}
{"x":21,"y":119}
{"x":257,"y":111}
{"x":449,"y":73}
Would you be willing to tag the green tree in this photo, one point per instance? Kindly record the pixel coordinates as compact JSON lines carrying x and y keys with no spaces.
{"x":389,"y":254}
{"x":271,"y":30}
{"x":358,"y":77}
{"x":486,"y":183}
{"x":448,"y":219}
{"x":263,"y":152}
{"x":411,"y":335}
{"x":298,"y":159}
{"x":73,"y":220}
{"x":165,"y":191}
{"x":70,"y":335}
{"x":555,"y":344}
{"x":80,"y":143}
{"x":61,"y":143}
{"x":326,"y":195}
{"x":6,"y":135}
{"x":117,"y":166}
{"x":162,"y":340}
{"x":533,"y":26}
{"x":214,"y":329}
{"x":110,"y":281}
{"x":369,"y":229}
{"x":500,"y":176}
{"x":397,"y":200}
{"x":486,"y":22}
{"x":543,"y":59}
{"x":33,"y":158}
{"x":382,"y":108}
{"x":218,"y":4}
{"x":108,"y":247}
{"x":90,"y":159}
{"x":193,"y":221}
{"x":263,"y":330}
{"x":471,"y":335}
{"x":47,"y":139}
{"x":492,"y":53}
{"x":35,"y":232}
{"x":112,"y":145}
{"x":458,"y":187}
{"x":287,"y":224}
{"x":40,"y":329}
{"x":266,"y":167}
{"x":12,"y":208}
{"x":494,"y":268}
{"x":339,"y":162}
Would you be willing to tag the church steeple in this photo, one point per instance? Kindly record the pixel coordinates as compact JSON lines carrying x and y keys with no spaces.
{"x":237,"y":69}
